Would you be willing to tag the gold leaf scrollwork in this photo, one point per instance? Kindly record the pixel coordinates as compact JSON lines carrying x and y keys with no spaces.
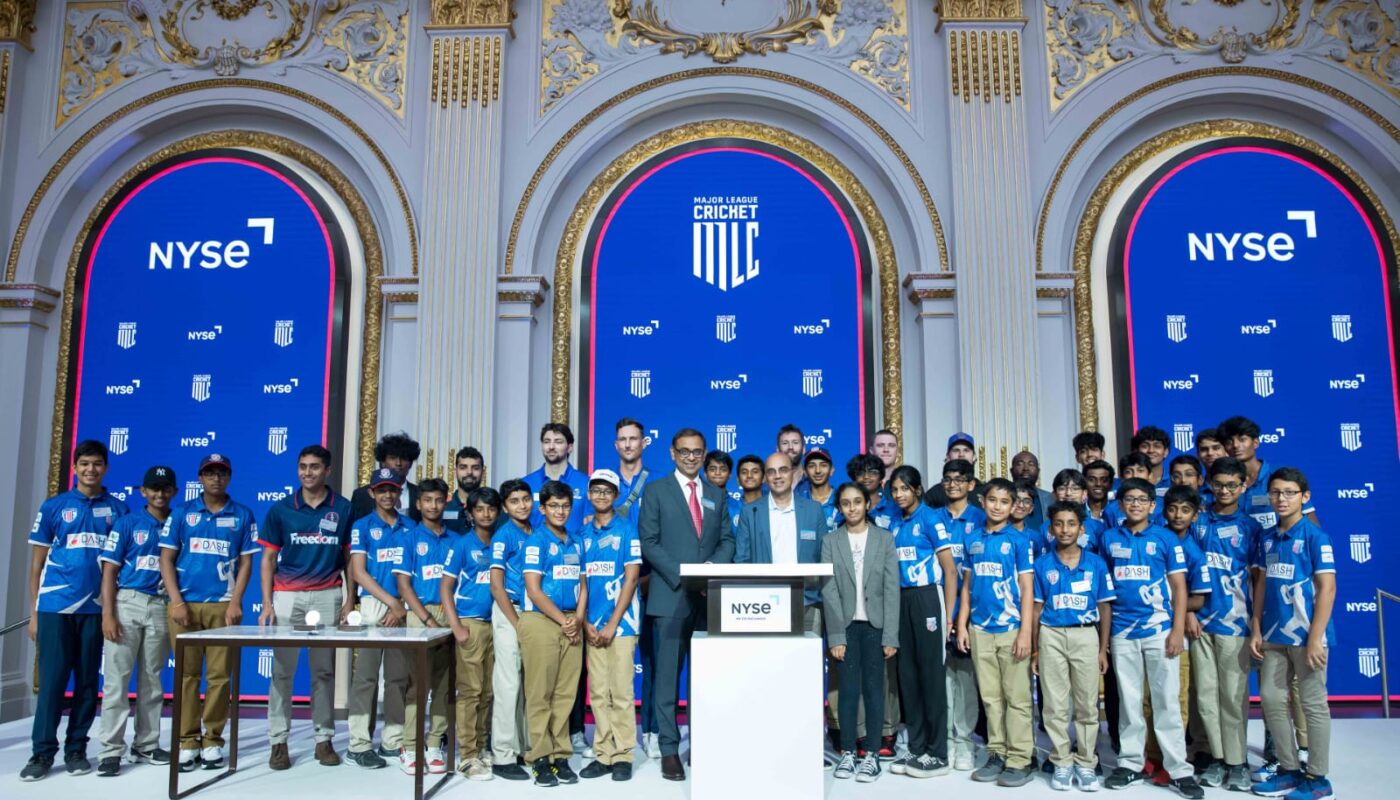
{"x":978,"y":10}
{"x":17,"y":21}
{"x":470,"y":13}
{"x":233,"y":10}
{"x":723,"y":46}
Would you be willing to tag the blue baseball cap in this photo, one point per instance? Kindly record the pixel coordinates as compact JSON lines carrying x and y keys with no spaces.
{"x":215,"y":460}
{"x":386,"y":477}
{"x":961,"y":437}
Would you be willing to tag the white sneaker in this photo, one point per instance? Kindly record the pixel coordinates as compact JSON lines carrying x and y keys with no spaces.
{"x":437,"y":765}
{"x":407,"y":762}
{"x":652,"y":745}
{"x":579,"y":742}
{"x":1088,"y":779}
{"x":478,"y":770}
{"x":488,"y":758}
{"x":212,"y":756}
{"x":188,"y":759}
{"x":962,"y":758}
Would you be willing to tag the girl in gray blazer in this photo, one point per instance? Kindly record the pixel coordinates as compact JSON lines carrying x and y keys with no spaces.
{"x":861,"y":606}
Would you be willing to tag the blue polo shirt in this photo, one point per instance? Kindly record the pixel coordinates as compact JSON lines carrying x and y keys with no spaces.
{"x":1254,"y":500}
{"x":470,"y":563}
{"x":1090,"y":530}
{"x":994,"y":561}
{"x":74,"y":527}
{"x":574,"y":479}
{"x":383,"y":545}
{"x":883,"y":514}
{"x":508,"y":556}
{"x":1071,"y":597}
{"x":1140,"y":564}
{"x":954,"y":531}
{"x":624,"y":491}
{"x":1197,"y":572}
{"x":607,"y":552}
{"x":1229,"y":542}
{"x":423,"y":559}
{"x":830,"y":512}
{"x":310,"y":542}
{"x":559,"y":565}
{"x":1290,"y":559}
{"x":209,"y":546}
{"x":916,"y":547}
{"x":455,"y":515}
{"x":134,"y":546}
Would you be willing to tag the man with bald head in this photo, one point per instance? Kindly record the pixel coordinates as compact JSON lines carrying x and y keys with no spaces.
{"x":1026,"y":467}
{"x":783,"y":528}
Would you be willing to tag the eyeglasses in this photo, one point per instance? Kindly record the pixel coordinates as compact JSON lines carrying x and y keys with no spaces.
{"x":601,"y":490}
{"x":1136,"y":500}
{"x":778,"y":470}
{"x":558,"y":507}
{"x":1023,"y":501}
{"x":1222,"y":486}
{"x":689,"y":453}
{"x":955,"y":480}
{"x":1286,"y":494}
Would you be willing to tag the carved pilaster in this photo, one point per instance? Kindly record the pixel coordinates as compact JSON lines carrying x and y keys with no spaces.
{"x":519,"y":307}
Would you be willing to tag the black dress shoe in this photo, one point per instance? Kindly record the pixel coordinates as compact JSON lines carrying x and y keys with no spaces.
{"x":671,"y":768}
{"x":622,"y":771}
{"x":596,"y":769}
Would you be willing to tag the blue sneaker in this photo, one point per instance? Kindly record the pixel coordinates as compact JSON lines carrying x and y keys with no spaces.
{"x":1280,"y":785}
{"x":1313,"y":789}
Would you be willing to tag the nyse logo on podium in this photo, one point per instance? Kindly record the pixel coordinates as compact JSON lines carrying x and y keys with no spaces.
{"x":755,"y":609}
{"x":722,"y":241}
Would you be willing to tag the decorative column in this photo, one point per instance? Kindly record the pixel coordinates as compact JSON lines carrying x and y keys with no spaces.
{"x":519,"y":302}
{"x":993,"y":244}
{"x":460,"y":257}
{"x":934,"y":296}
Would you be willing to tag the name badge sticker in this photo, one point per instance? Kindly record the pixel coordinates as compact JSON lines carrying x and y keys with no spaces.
{"x":327,"y":525}
{"x":101,"y":512}
{"x":808,"y":535}
{"x":225,"y":522}
{"x":708,"y":504}
{"x":1081,"y":586}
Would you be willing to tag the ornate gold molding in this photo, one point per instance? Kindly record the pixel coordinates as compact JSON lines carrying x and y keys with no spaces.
{"x":400,"y":297}
{"x":582,"y":218}
{"x":368,"y":235}
{"x":985,"y":63}
{"x":1109,"y":186}
{"x":27,"y":302}
{"x":795,"y":24}
{"x":746,"y":72}
{"x":12,"y":261}
{"x":978,"y":11}
{"x":471,"y":13}
{"x":17,"y":21}
{"x":4,"y":77}
{"x":466,"y":69}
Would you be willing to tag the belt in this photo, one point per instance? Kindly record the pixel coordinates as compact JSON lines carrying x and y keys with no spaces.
{"x":1079,"y":625}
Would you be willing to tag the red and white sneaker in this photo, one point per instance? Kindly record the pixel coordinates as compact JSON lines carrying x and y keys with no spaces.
{"x":437,"y":764}
{"x":407,"y":762}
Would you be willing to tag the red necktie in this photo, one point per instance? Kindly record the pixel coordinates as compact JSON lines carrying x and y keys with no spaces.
{"x":695,"y":512}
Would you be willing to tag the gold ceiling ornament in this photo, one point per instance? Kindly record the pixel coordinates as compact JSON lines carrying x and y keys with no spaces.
{"x":471,"y":13}
{"x":233,"y":10}
{"x":794,"y":25}
{"x":17,"y":21}
{"x":978,"y":11}
{"x":885,"y":271}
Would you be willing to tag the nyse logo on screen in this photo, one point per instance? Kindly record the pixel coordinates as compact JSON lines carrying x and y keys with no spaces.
{"x":722,"y":241}
{"x":282,"y":332}
{"x":817,"y":439}
{"x":281,"y":388}
{"x":1264,"y":382}
{"x":1341,"y":327}
{"x":117,"y":440}
{"x":1361,"y":606}
{"x":1255,"y":329}
{"x":126,"y":335}
{"x":275,"y":495}
{"x":123,"y":388}
{"x":1357,"y":494}
{"x":205,"y":336}
{"x":729,"y":384}
{"x":1181,"y":384}
{"x":1253,"y":245}
{"x":641,"y":330}
{"x":817,"y":329}
{"x":193,"y":489}
{"x":1183,"y":435}
{"x":1361,"y":547}
{"x":277,"y":441}
{"x":199,"y":389}
{"x":727,"y":437}
{"x":812,"y":382}
{"x":1176,"y":327}
{"x":1347,"y":383}
{"x":206,"y":440}
{"x":726,"y":328}
{"x":641,"y":383}
{"x":1368,"y":661}
{"x":1351,"y":436}
{"x":212,"y":252}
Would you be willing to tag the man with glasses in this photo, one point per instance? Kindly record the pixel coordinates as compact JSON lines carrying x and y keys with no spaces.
{"x":683,"y":520}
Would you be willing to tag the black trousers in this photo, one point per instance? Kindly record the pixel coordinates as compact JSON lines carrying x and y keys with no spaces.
{"x":70,"y":646}
{"x":671,"y":651}
{"x":861,"y":675}
{"x":922,"y":689}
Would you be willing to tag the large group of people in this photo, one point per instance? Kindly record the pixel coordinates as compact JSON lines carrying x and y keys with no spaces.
{"x":958,"y":608}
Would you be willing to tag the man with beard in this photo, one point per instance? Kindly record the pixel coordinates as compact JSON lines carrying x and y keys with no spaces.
{"x":556,"y":445}
{"x":470,"y":469}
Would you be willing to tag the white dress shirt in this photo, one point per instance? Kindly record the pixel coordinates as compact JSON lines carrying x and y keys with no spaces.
{"x":857,"y":541}
{"x":685,"y":482}
{"x":782,"y":531}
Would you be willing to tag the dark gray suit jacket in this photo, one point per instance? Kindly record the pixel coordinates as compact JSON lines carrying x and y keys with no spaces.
{"x":879,"y":578}
{"x":668,"y":539}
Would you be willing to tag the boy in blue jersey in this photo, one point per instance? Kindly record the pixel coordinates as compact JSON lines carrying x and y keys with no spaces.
{"x":305,"y":539}
{"x":1098,"y":491}
{"x":817,"y":466}
{"x":66,"y":624}
{"x":551,"y":634}
{"x":466,"y":603}
{"x":1070,"y":486}
{"x":1023,"y":510}
{"x":1073,"y":593}
{"x":750,"y":480}
{"x":869,"y":471}
{"x":509,"y":732}
{"x":612,"y":565}
{"x":718,"y":466}
{"x":1135,"y":465}
{"x":1186,"y":470}
{"x":1240,"y":435}
{"x":377,"y":543}
{"x":206,"y":561}
{"x":420,"y":585}
{"x":954,"y":522}
{"x":134,"y":625}
{"x":1149,"y":634}
{"x":1220,"y":662}
{"x":1295,"y":586}
{"x":1154,"y":443}
{"x":994,"y":623}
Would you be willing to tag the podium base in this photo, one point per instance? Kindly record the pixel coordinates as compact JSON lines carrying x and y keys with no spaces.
{"x":756,"y":723}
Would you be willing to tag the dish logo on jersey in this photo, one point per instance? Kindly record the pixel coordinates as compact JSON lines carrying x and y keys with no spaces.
{"x":1264,"y":382}
{"x":1176,"y":327}
{"x":282,"y":332}
{"x":1341,"y":327}
{"x":277,"y":441}
{"x":725,"y":328}
{"x":1183,"y":435}
{"x":723,"y":249}
{"x":117,"y":440}
{"x":1351,"y":436}
{"x":727,"y":437}
{"x":126,"y":335}
{"x":1361,"y":547}
{"x":199,"y":389}
{"x":641,"y":383}
{"x":812,"y":382}
{"x":1368,"y":661}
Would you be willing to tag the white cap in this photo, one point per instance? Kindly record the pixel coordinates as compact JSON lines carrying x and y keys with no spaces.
{"x":606,"y":476}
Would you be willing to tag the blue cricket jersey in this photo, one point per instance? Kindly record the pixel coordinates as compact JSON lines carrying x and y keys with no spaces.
{"x":470,"y":563}
{"x":559,"y":563}
{"x":383,"y":545}
{"x":508,"y":556}
{"x":916,"y":547}
{"x":1229,"y":542}
{"x":1140,"y":563}
{"x":1071,"y":597}
{"x":74,"y":528}
{"x":424,"y":555}
{"x":572,"y":478}
{"x":994,"y":562}
{"x":1290,"y":559}
{"x":209,"y":546}
{"x":134,"y":547}
{"x":607,"y":552}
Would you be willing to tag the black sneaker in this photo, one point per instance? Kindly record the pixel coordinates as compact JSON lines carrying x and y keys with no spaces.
{"x":388,"y":753}
{"x":153,"y":756}
{"x":595,"y":769}
{"x":77,"y":764}
{"x":510,"y":772}
{"x":109,"y":767}
{"x":544,"y":773}
{"x":1188,"y":788}
{"x":37,"y":768}
{"x":563,"y":772}
{"x":365,"y":758}
{"x":622,"y":771}
{"x":1122,"y":778}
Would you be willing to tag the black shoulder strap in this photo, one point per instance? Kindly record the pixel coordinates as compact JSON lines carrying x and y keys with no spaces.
{"x":634,"y":493}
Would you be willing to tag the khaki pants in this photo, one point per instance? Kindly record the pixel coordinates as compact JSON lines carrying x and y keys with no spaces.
{"x":475,"y":660}
{"x":610,"y":673}
{"x":143,"y":647}
{"x":364,"y":687}
{"x":1069,"y":675}
{"x":1281,"y":666}
{"x":215,"y":661}
{"x":509,"y":733}
{"x":1183,"y":699}
{"x":437,"y":689}
{"x":1006,"y":694}
{"x":1220,"y":677}
{"x":291,"y":608}
{"x":552,"y":667}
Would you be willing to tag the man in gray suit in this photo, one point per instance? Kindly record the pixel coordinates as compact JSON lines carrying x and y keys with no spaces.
{"x":683,"y":519}
{"x":783,"y":528}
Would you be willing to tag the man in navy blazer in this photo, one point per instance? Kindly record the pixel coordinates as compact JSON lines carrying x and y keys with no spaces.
{"x":782,"y":528}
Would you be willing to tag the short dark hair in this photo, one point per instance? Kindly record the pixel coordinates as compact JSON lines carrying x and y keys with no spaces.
{"x":862,"y":463}
{"x":851,"y":485}
{"x":907,"y":475}
{"x":1002,"y":484}
{"x":1190,"y":460}
{"x":1292,"y":474}
{"x":685,"y":432}
{"x":1134,"y":459}
{"x":957,"y":466}
{"x":433,"y":485}
{"x":559,"y":428}
{"x":1062,"y":506}
{"x":512,"y":486}
{"x":1228,"y":466}
{"x":1088,"y":440}
{"x":1101,"y":466}
{"x":90,"y":447}
{"x":722,"y":457}
{"x":555,"y":490}
{"x":1206,"y":433}
{"x":1139,"y":484}
{"x":468,"y":452}
{"x":483,"y":494}
{"x":1182,"y":494}
{"x":1150,"y":433}
{"x":1025,"y":486}
{"x":316,"y":451}
{"x":627,"y":422}
{"x":882,"y":432}
{"x":750,"y":458}
{"x":1070,"y":477}
{"x":791,"y":428}
{"x":396,"y":444}
{"x":1238,"y":426}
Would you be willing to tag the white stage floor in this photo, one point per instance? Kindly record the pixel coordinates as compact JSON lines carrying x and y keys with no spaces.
{"x":1360,"y":750}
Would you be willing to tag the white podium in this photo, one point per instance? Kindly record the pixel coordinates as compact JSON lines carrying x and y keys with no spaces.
{"x":756,"y":685}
